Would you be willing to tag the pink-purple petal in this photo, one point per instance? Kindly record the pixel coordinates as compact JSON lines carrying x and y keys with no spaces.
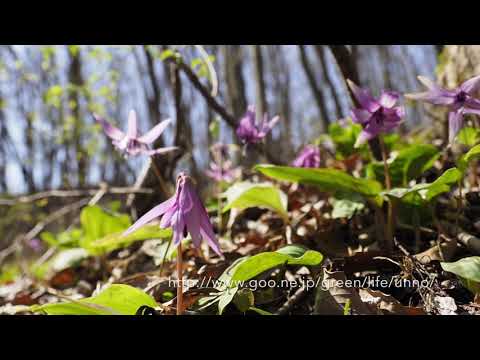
{"x":132,"y":125}
{"x":110,"y":130}
{"x":360,"y":116}
{"x":155,"y":132}
{"x":157,"y":211}
{"x":388,"y":99}
{"x":471,"y":86}
{"x":363,"y":97}
{"x":161,"y":150}
{"x":455,"y":121}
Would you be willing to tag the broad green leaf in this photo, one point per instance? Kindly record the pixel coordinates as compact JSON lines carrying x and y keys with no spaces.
{"x":245,"y":195}
{"x":472,"y":154}
{"x":409,"y":164}
{"x":331,"y":180}
{"x":347,"y":205}
{"x":468,"y":270}
{"x":443,"y":183}
{"x":96,"y":224}
{"x":468,"y":136}
{"x":117,"y":240}
{"x":246,"y":268}
{"x":226,"y":298}
{"x":116,"y":299}
{"x":424,"y":193}
{"x":289,"y":255}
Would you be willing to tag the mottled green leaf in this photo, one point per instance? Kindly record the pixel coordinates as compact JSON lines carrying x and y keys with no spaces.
{"x":331,"y":180}
{"x":117,"y":299}
{"x":245,"y":195}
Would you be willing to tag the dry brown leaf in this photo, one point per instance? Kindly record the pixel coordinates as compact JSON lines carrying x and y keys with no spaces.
{"x":448,"y":251}
{"x":381,"y":303}
{"x":333,"y":295}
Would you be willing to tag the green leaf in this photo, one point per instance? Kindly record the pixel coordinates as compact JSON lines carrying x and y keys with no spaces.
{"x":289,"y":255}
{"x":214,"y":129}
{"x":244,"y":299}
{"x":117,"y":240}
{"x":472,"y":154}
{"x":116,"y":299}
{"x":424,"y":193}
{"x":244,"y":269}
{"x":166,"y":54}
{"x":409,"y":164}
{"x":344,"y":138}
{"x":65,"y":239}
{"x":226,"y":298}
{"x":347,"y":205}
{"x":468,"y":270}
{"x":331,"y":180}
{"x":259,"y":311}
{"x":468,"y":136}
{"x":244,"y":195}
{"x":97,"y":224}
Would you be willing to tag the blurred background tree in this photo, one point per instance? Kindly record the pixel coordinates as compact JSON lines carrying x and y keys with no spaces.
{"x":49,"y":140}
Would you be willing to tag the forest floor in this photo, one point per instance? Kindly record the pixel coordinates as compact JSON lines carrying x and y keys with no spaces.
{"x":356,"y":276}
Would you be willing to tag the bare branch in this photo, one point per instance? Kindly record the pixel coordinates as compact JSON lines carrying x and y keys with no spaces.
{"x":72,"y":193}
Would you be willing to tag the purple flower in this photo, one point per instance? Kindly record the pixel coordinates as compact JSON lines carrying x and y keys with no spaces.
{"x":35,"y":244}
{"x":184,"y":213}
{"x":309,"y":157}
{"x":249,"y":132}
{"x":376,"y":116}
{"x":130,"y":143}
{"x":221,"y":173}
{"x":460,"y":101}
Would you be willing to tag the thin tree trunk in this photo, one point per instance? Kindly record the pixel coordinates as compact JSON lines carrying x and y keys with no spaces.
{"x":317,"y":92}
{"x":258,"y":75}
{"x":235,"y":83}
{"x":320,"y":50}
{"x":76,"y":83}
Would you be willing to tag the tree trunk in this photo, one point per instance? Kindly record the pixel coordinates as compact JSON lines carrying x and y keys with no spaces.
{"x":320,"y":50}
{"x":258,"y":75}
{"x":317,"y":92}
{"x":76,"y":83}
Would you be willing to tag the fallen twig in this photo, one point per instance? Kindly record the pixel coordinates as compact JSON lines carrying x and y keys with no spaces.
{"x":71,"y":193}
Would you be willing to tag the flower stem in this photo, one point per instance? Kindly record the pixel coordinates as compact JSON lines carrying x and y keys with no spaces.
{"x":388,"y":181}
{"x":459,"y":205}
{"x":180,"y":280}
{"x":388,"y":184}
{"x":219,"y":198}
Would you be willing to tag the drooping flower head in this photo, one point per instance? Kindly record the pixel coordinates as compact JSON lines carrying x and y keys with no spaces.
{"x":459,"y":101}
{"x":309,"y":157}
{"x":251,"y":132}
{"x":184,"y":213}
{"x":130,"y":143}
{"x":375,"y":115}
